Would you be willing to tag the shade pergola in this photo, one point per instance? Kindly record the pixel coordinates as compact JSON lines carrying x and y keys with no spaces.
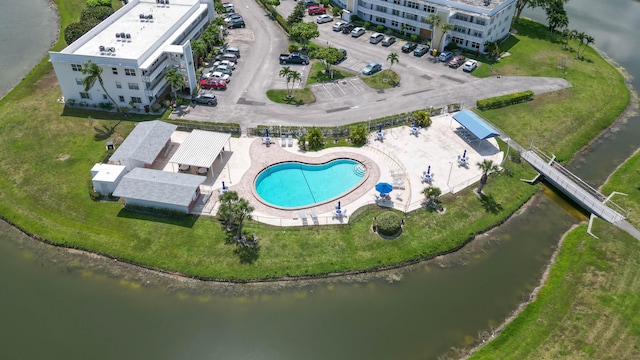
{"x":200,"y":148}
{"x":478,"y":127}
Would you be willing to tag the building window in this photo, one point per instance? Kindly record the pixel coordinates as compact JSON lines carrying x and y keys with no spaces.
{"x":121,"y":98}
{"x":130,"y":72}
{"x":397,"y":2}
{"x":78,"y":81}
{"x":104,"y":97}
{"x":394,"y":23}
{"x":114,"y":71}
{"x":136,"y":100}
{"x":480,"y":22}
{"x":413,"y":5}
{"x":428,"y":8}
{"x":381,"y":20}
{"x":381,"y":8}
{"x":84,"y":95}
{"x":457,"y":40}
{"x":76,"y":67}
{"x":475,"y":45}
{"x":461,"y":17}
{"x":134,"y":86}
{"x":409,"y":28}
{"x":395,"y":12}
{"x":118,"y":84}
{"x":411,"y":16}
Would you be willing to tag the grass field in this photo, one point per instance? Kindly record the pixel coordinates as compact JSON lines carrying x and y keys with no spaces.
{"x":564,"y":121}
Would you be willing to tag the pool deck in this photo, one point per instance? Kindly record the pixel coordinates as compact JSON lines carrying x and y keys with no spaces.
{"x":399,"y":159}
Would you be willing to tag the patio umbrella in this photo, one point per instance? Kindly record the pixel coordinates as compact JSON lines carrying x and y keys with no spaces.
{"x":428,"y":170}
{"x":338,"y":205}
{"x":384,"y":188}
{"x":415,"y":123}
{"x":266,"y":132}
{"x":380,"y":128}
{"x":465,"y":153}
{"x":223,"y":187}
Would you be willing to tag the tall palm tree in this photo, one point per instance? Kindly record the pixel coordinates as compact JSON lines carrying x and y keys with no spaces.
{"x":492,"y":48}
{"x":208,"y":39}
{"x":487,"y":167}
{"x":392,"y":58}
{"x":284,"y":72}
{"x":175,"y":79}
{"x":580,"y":37}
{"x":588,"y":40}
{"x":199,"y":50}
{"x":445,"y":27}
{"x":241,"y":211}
{"x":294,"y":76}
{"x":94,"y":72}
{"x":233,"y":211}
{"x":432,"y":197}
{"x":434,"y":21}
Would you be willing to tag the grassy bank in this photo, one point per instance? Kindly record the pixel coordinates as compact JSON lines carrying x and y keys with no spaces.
{"x":561,"y":122}
{"x":48,"y":151}
{"x":589,"y":307}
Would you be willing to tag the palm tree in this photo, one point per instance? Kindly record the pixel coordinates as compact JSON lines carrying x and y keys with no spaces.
{"x":241,"y":211}
{"x":94,"y":72}
{"x":432,"y":197}
{"x":492,"y":48}
{"x":199,"y":50}
{"x":233,"y":211}
{"x":580,"y":36}
{"x":488,"y":168}
{"x":284,"y":72}
{"x":588,"y":39}
{"x":445,"y":27}
{"x":175,"y":79}
{"x":434,"y":21}
{"x":392,"y":58}
{"x":293,"y":76}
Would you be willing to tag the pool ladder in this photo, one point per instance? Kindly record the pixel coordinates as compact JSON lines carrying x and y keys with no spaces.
{"x":359,"y":169}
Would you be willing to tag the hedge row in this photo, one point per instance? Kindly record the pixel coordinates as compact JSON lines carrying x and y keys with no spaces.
{"x":504,"y":100}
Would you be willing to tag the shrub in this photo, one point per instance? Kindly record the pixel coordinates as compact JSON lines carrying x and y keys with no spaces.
{"x":293,"y":47}
{"x":504,"y":100}
{"x":423,"y":118}
{"x":389,"y":223}
{"x":315,"y":138}
{"x":75,"y":30}
{"x":98,"y":13}
{"x":414,"y":38}
{"x":358,"y":134}
{"x":95,"y":3}
{"x":368,"y":25}
{"x":381,"y":28}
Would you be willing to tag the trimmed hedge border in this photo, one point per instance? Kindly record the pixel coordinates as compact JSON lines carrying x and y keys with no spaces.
{"x":504,"y":100}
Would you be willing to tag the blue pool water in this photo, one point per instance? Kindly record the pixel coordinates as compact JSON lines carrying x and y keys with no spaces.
{"x":294,"y":184}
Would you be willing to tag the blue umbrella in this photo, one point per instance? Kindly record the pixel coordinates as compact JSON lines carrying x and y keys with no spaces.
{"x":415,"y":123}
{"x":223,"y":187}
{"x":428,"y":170}
{"x":266,"y":132}
{"x":384,"y":188}
{"x":338,"y":205}
{"x":465,"y":153}
{"x":380,"y":128}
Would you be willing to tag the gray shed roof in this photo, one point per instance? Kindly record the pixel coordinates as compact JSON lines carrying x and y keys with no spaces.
{"x":200,"y":148}
{"x":145,"y":142}
{"x":159,"y":186}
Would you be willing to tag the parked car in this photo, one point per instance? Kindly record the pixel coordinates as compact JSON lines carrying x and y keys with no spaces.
{"x":213,"y":84}
{"x":220,"y":75}
{"x":357,"y":32}
{"x":409,"y":47}
{"x":309,"y":3}
{"x":324,"y":19}
{"x":457,"y":61}
{"x":231,"y":16}
{"x":470,"y":65}
{"x":388,"y":41}
{"x":343,"y":58}
{"x":228,"y":57}
{"x":375,"y":38}
{"x":205,"y":98}
{"x":445,"y":56}
{"x":338,"y":26}
{"x":371,"y":68}
{"x":224,"y":69}
{"x":347,"y":28}
{"x":233,"y":50}
{"x":228,"y":63}
{"x":235,"y":23}
{"x":420,"y":50}
{"x":316,"y":10}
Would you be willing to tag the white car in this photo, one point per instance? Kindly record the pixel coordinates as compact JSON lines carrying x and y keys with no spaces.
{"x":228,"y":63}
{"x":470,"y":65}
{"x":324,"y":19}
{"x":218,"y":74}
{"x":339,"y":26}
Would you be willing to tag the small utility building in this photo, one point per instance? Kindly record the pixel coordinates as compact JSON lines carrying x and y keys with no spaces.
{"x":160,"y":189}
{"x":105,"y":177}
{"x":143,"y":145}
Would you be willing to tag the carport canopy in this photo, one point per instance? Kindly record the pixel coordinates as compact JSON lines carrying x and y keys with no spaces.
{"x":200,"y":148}
{"x":475,"y":125}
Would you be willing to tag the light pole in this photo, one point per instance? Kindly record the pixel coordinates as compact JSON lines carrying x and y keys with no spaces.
{"x":449,"y":177}
{"x":508,"y":141}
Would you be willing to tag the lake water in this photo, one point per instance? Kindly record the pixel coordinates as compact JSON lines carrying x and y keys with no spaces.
{"x":27,"y":30}
{"x":57,"y":309}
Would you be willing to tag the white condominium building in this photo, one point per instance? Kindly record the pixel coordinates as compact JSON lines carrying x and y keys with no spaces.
{"x":135,"y":47}
{"x":475,"y":21}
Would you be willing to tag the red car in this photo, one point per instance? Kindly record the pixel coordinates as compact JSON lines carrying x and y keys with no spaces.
{"x":213,"y":83}
{"x":457,"y":61}
{"x":317,"y":10}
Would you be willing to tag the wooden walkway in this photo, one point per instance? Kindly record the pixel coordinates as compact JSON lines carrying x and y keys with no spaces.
{"x":572,"y":186}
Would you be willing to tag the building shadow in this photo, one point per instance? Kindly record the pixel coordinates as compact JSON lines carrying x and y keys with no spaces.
{"x":186,"y":221}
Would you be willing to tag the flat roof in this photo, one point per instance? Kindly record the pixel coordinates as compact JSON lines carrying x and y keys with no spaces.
{"x":144,"y":33}
{"x":200,"y":148}
{"x":159,"y":186}
{"x":107,"y":172}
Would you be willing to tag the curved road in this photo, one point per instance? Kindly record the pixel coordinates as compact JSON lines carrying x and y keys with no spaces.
{"x":424,"y":82}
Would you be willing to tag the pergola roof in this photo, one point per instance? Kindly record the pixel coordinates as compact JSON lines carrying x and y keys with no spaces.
{"x":200,"y":148}
{"x":475,"y":125}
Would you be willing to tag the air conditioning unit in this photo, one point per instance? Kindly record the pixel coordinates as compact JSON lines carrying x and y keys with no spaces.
{"x":117,"y":35}
{"x":128,"y":36}
{"x":101,"y":48}
{"x":112,"y":49}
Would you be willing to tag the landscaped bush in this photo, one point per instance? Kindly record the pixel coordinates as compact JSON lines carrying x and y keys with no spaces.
{"x":94,"y":3}
{"x":381,"y":28}
{"x":389,"y":223}
{"x":504,"y":100}
{"x":96,"y":13}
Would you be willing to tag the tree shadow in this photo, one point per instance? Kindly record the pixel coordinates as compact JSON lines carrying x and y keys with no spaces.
{"x":105,"y":132}
{"x":247,"y":254}
{"x":490,"y":204}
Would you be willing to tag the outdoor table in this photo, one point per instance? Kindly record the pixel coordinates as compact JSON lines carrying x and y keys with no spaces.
{"x":184,"y":167}
{"x":380,"y":136}
{"x":202,"y":171}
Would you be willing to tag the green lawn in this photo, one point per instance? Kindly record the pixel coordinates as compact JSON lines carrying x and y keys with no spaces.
{"x":561,"y":122}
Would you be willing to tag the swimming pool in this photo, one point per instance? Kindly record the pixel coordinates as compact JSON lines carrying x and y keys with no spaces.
{"x":295,"y":184}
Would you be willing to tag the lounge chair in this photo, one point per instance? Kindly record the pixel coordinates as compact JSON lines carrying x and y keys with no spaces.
{"x":314,"y":215}
{"x":290,"y":140}
{"x":283,"y":141}
{"x":303,"y":216}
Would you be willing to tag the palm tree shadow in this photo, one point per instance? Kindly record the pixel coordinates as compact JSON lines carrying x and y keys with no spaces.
{"x":490,"y":204}
{"x":247,"y":253}
{"x":104,"y":132}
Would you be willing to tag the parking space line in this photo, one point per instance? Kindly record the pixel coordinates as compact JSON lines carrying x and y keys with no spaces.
{"x":327,"y":90}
